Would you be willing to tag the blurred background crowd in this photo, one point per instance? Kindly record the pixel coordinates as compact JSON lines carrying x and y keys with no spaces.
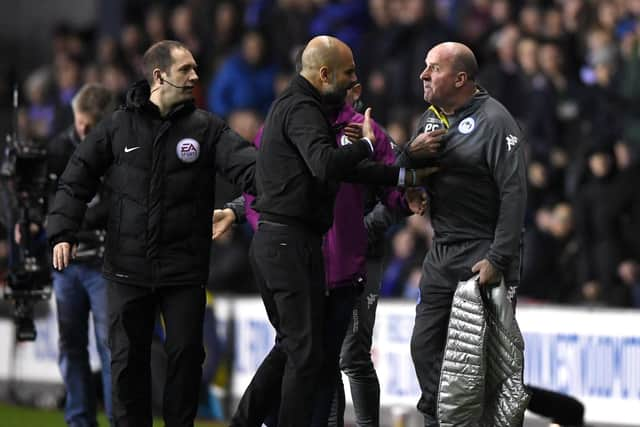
{"x":568,"y":70}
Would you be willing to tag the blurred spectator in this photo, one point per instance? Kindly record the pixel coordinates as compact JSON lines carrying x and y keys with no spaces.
{"x":116,"y":79}
{"x":155,"y":24}
{"x":226,"y":32}
{"x":370,"y":68}
{"x":40,"y":112}
{"x":624,"y":219}
{"x":537,"y":114}
{"x":245,"y":80}
{"x":67,"y":74}
{"x":400,"y":265}
{"x":286,"y":24}
{"x":502,"y":79}
{"x":183,"y":30}
{"x":598,"y":255}
{"x":414,"y":31}
{"x":132,"y":47}
{"x":550,"y":251}
{"x":345,"y":20}
{"x":530,"y":20}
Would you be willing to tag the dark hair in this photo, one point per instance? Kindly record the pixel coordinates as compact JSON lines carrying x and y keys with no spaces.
{"x":93,"y":99}
{"x":159,"y":56}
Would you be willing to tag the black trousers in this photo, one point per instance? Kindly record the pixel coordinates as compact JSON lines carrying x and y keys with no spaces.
{"x":339,"y":308}
{"x":132,"y":314}
{"x":443,"y":267}
{"x":289,"y":270}
{"x":355,"y":356}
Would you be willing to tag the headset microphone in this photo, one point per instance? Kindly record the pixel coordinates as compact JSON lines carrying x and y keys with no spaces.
{"x":162,"y":80}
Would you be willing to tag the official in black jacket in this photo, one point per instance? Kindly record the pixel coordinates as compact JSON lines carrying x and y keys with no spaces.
{"x":476,"y":200}
{"x":159,"y":155}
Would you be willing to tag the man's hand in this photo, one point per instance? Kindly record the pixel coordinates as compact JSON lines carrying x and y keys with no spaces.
{"x":367,"y":129}
{"x":63,"y":253}
{"x":223,"y":219}
{"x":488,"y":273}
{"x":353,"y":131}
{"x":416,"y":198}
{"x":427,"y":145}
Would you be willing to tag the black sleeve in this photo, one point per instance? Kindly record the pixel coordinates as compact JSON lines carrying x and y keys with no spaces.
{"x":95,"y":218}
{"x":505,"y":157}
{"x":307,"y":129}
{"x":79,"y":183}
{"x":374,"y":173}
{"x":237,"y":205}
{"x":378,"y":221}
{"x":236,"y":159}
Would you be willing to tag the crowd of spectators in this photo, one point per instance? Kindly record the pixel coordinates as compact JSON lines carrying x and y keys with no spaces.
{"x":568,"y":70}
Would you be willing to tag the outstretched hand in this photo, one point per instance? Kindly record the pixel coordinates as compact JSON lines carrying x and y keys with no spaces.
{"x":367,"y":128}
{"x":223,"y":219}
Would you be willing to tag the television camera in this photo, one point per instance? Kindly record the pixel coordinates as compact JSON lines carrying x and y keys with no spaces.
{"x":23,"y":173}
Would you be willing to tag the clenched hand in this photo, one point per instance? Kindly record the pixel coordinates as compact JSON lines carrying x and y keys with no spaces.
{"x":427,"y":145}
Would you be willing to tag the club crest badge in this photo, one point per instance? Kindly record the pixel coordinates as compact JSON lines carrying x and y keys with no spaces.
{"x":467,"y":125}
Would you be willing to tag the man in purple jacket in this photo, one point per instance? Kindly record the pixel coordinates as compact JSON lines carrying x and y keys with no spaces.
{"x":344,"y":250}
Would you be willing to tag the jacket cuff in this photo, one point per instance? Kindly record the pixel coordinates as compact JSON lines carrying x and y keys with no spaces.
{"x":68,"y":237}
{"x":498,"y":261}
{"x":238,"y":211}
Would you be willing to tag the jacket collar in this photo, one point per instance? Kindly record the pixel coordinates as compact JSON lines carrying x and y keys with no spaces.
{"x":301,"y":85}
{"x":138,"y":99}
{"x":471,"y":105}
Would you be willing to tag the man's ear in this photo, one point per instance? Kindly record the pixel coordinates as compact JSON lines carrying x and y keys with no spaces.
{"x":356,"y":92}
{"x":157,"y":76}
{"x":461,"y":79}
{"x":324,"y":74}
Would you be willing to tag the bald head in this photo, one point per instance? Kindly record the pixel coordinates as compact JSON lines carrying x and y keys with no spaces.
{"x":327,"y":63}
{"x":461,"y":57}
{"x":324,"y":51}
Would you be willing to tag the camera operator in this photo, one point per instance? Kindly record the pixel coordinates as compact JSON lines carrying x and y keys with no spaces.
{"x":80,"y":287}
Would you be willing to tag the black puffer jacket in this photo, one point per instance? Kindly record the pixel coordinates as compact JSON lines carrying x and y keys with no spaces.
{"x":161,"y":176}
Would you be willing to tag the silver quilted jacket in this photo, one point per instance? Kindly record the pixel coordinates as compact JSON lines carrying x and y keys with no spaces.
{"x":481,"y":380}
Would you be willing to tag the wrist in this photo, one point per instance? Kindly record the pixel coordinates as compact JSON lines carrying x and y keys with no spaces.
{"x":229,"y":211}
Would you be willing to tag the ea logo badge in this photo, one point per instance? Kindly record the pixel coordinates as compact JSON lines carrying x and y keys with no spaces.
{"x":345,"y":140}
{"x":188,"y":150}
{"x":467,"y":125}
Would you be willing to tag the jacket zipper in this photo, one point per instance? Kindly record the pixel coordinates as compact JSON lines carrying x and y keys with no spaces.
{"x":163,"y":129}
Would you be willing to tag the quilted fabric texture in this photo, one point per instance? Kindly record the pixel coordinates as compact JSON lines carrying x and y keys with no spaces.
{"x":481,"y":379}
